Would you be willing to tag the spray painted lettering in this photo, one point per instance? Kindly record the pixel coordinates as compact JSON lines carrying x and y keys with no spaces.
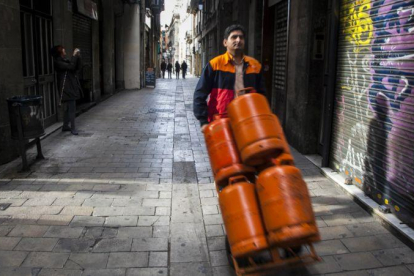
{"x":357,"y":29}
{"x":391,"y":93}
{"x":375,"y":110}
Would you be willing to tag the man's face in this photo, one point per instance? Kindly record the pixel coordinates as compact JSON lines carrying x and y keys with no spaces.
{"x":235,"y":41}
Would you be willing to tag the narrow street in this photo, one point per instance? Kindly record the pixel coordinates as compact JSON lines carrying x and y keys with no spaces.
{"x":133,"y":194}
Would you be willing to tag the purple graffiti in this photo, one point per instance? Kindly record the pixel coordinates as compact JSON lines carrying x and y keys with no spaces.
{"x":391,"y":93}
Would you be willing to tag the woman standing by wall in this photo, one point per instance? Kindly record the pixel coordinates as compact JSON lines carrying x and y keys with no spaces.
{"x":69,"y":88}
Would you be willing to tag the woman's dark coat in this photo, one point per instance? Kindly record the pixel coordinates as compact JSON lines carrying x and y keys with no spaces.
{"x":72,"y":89}
{"x":177,"y":67}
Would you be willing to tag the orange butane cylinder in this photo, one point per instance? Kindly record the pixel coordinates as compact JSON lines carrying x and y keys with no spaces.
{"x":286,"y":207}
{"x":242,"y":218}
{"x":258,"y":133}
{"x":224,"y":157}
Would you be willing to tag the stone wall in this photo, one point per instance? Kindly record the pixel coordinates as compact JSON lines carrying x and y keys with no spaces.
{"x":11,"y":72}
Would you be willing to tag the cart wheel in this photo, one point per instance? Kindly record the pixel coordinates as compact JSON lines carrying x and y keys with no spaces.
{"x":229,"y":255}
{"x":296,"y":250}
{"x":242,"y":262}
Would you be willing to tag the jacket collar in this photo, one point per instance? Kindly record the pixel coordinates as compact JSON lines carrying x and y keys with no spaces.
{"x":228,"y":57}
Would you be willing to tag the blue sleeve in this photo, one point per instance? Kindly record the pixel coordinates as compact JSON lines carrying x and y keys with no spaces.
{"x":201,"y":93}
{"x":261,"y":86}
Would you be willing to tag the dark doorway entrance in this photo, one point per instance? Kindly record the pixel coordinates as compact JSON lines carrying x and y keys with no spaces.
{"x":37,"y":40}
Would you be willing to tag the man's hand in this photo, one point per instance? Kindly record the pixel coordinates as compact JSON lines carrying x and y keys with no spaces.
{"x":203,"y":127}
{"x":76,"y":52}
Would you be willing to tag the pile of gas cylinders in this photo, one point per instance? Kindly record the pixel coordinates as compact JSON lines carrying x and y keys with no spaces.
{"x":263,"y":198}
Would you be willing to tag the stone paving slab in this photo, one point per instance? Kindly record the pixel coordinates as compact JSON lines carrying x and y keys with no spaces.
{"x":134,"y":195}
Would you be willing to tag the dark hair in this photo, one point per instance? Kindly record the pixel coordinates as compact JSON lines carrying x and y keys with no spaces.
{"x":233,"y":28}
{"x":57,"y":51}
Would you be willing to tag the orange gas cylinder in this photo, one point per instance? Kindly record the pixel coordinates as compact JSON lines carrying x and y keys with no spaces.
{"x":257,"y":131}
{"x":224,"y":157}
{"x":284,"y":159}
{"x":242,"y":218}
{"x":286,"y":207}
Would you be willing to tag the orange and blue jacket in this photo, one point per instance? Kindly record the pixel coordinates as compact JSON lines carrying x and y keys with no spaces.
{"x":217,"y":81}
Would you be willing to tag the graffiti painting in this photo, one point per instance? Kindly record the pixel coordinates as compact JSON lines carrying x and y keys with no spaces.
{"x":374,"y":136}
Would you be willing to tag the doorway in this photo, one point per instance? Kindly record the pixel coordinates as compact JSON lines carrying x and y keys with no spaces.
{"x":37,"y":40}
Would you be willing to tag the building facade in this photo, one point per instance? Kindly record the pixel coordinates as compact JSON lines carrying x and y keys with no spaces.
{"x":209,"y":19}
{"x":110,"y":35}
{"x":186,"y":34}
{"x":173,"y":34}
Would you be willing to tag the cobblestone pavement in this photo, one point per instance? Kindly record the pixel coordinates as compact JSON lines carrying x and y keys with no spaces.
{"x":132,"y":195}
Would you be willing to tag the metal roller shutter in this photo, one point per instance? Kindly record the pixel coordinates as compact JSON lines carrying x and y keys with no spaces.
{"x":82,"y":39}
{"x":373,"y":131}
{"x":82,"y":36}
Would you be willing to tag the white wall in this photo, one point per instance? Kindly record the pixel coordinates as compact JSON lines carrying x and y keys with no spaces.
{"x":186,"y":26}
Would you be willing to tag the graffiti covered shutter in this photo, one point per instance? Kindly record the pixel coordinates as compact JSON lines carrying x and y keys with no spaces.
{"x":373,"y":130}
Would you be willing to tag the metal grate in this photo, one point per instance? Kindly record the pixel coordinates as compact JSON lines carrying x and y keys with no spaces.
{"x":280,"y":46}
{"x":280,"y":59}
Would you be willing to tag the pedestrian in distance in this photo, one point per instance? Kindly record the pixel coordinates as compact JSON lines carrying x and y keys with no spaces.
{"x":177,"y":69}
{"x":163,"y":68}
{"x":224,"y":75}
{"x":184,"y":68}
{"x":169,"y":69}
{"x":68,"y":84}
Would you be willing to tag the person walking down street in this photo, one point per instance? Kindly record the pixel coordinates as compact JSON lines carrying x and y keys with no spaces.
{"x":177,"y":69}
{"x":163,"y":68}
{"x":69,"y":88}
{"x":224,"y":75}
{"x":169,"y":69}
{"x":184,"y":68}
